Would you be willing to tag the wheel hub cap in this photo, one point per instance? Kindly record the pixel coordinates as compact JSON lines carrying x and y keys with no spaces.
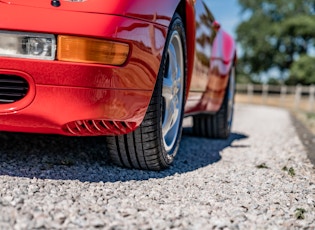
{"x":172,"y":91}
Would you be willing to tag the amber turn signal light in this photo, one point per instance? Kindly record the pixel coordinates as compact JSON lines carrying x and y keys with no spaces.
{"x":91,"y":50}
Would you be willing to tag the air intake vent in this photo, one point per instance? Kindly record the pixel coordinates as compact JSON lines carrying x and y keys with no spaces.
{"x":98,"y":127}
{"x":12,"y":88}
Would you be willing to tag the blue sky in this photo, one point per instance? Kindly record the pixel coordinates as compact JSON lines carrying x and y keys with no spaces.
{"x":226,"y":12}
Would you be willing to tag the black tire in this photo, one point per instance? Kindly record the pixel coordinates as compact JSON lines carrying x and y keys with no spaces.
{"x":217,"y":125}
{"x":155,"y":143}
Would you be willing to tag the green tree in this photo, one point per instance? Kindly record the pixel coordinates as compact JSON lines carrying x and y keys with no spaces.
{"x":275,"y":34}
{"x":302,"y":71}
{"x":242,"y":76}
{"x":273,"y":81}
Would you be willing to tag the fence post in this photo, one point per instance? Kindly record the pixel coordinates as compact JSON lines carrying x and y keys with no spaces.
{"x":298,"y":94}
{"x":283,"y":93}
{"x":250,"y":92}
{"x":265,"y":89}
{"x":311,"y":98}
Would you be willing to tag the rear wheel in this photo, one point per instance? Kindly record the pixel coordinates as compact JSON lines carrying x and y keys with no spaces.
{"x":218,"y":125}
{"x":155,"y":143}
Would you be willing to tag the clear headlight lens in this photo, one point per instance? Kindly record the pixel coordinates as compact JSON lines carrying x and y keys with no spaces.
{"x":69,"y":48}
{"x":27,"y":45}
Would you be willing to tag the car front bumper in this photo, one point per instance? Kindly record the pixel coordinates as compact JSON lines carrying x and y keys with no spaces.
{"x":82,"y":99}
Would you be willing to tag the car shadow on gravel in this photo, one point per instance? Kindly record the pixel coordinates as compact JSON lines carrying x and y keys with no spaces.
{"x":85,"y":158}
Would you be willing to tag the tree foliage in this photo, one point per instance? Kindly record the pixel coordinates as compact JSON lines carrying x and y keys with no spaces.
{"x":302,"y":71}
{"x":276,"y":34}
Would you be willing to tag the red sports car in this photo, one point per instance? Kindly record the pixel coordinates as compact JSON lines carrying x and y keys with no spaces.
{"x":128,"y":69}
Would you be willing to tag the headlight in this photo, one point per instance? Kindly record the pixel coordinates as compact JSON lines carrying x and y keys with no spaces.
{"x":27,"y":45}
{"x":91,"y":50}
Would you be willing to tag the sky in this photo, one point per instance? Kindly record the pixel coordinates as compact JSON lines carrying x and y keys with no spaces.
{"x":226,"y":12}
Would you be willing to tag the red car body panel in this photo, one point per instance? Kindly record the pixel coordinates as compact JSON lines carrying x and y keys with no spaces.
{"x":207,"y":93}
{"x":214,"y":56}
{"x":81,"y":99}
{"x":159,"y":12}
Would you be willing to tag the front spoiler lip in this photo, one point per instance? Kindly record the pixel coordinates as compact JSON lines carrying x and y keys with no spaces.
{"x":55,"y":106}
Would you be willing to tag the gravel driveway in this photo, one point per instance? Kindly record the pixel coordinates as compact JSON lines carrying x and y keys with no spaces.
{"x":259,"y":178}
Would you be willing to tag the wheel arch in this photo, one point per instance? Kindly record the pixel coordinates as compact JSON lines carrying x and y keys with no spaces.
{"x":185,"y":9}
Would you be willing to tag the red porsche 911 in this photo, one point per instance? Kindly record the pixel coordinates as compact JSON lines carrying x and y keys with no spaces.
{"x":127,"y":69}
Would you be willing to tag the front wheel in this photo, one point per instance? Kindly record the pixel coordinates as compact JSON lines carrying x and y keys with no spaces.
{"x":155,"y":143}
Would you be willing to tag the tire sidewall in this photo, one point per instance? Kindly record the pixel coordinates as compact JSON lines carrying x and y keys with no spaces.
{"x":168,"y":156}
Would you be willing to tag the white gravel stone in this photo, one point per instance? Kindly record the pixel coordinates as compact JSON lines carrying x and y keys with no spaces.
{"x":53,"y":182}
